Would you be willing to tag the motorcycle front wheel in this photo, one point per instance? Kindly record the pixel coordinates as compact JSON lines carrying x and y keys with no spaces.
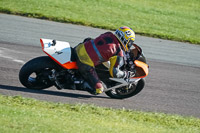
{"x":126,"y":92}
{"x":34,"y":74}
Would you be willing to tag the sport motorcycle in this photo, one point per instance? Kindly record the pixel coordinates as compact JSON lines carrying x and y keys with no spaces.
{"x":59,"y":69}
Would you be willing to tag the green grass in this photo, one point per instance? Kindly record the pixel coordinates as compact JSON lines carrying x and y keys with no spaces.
{"x":168,"y":19}
{"x":18,"y":114}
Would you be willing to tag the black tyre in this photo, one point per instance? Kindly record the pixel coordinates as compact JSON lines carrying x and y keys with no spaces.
{"x":121,"y":93}
{"x":34,"y":74}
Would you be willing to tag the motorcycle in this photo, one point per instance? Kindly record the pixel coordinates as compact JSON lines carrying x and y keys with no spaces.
{"x":59,"y":69}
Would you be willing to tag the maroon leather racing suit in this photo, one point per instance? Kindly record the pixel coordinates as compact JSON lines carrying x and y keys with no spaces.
{"x":93,"y":52}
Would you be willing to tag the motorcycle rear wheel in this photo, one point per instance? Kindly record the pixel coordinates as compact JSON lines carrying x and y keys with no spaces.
{"x":121,"y":93}
{"x":34,"y":74}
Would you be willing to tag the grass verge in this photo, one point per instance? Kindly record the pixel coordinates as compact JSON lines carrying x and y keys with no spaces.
{"x":167,"y":19}
{"x":18,"y":114}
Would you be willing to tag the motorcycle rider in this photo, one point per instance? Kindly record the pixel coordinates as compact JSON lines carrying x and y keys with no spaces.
{"x":106,"y":47}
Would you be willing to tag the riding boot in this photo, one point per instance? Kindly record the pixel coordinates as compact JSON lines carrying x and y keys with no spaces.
{"x":88,"y":88}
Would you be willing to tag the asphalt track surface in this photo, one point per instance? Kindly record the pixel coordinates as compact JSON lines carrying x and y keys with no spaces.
{"x":171,"y":87}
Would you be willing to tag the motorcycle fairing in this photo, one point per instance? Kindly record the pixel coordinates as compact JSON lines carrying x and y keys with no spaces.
{"x":60,"y":52}
{"x":142,"y":69}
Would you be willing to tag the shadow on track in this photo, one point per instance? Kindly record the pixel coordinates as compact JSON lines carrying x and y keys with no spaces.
{"x":48,"y":92}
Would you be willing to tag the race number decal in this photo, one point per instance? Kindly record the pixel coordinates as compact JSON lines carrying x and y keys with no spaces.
{"x":128,"y":33}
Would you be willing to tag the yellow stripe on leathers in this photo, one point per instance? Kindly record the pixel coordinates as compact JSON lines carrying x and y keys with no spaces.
{"x":83,"y":56}
{"x":112,"y":63}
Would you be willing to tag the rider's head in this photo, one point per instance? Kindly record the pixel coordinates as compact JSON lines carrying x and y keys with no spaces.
{"x":126,"y":36}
